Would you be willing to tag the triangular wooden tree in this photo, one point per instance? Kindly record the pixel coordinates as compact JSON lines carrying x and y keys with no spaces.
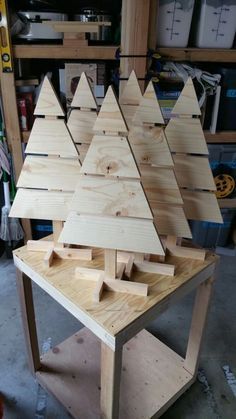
{"x":187,"y":103}
{"x":82,"y":116}
{"x":156,"y":165}
{"x":190,"y":154}
{"x":49,"y":175}
{"x":130,"y":98}
{"x":109,"y":207}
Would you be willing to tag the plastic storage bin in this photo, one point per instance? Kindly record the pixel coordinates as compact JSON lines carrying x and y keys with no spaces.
{"x":173,"y":23}
{"x":217,"y":24}
{"x":210,"y":235}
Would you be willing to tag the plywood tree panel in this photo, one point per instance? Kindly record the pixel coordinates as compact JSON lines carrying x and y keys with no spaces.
{"x":187,"y":103}
{"x":149,"y":111}
{"x":49,"y":176}
{"x":48,"y":104}
{"x":83,"y":113}
{"x":109,"y":207}
{"x":150,"y":146}
{"x":188,"y":145}
{"x":130,"y":98}
{"x":186,"y":136}
{"x":51,"y":137}
{"x":110,"y":155}
{"x":110,"y":118}
{"x":131,"y":94}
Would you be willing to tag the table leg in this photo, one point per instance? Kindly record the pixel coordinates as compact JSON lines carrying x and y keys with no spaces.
{"x":198,"y":323}
{"x":24,"y":286}
{"x":111,"y":364}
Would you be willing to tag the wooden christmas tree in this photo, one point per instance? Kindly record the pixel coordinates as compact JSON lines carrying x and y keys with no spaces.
{"x":109,"y":208}
{"x":190,"y":154}
{"x":188,"y":145}
{"x":150,"y":147}
{"x":82,"y":116}
{"x":49,"y":175}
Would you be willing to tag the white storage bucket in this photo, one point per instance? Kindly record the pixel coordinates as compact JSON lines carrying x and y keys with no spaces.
{"x":173,"y":22}
{"x":217,"y":24}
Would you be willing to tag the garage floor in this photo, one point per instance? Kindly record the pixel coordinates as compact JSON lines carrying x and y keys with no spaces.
{"x":211,"y":397}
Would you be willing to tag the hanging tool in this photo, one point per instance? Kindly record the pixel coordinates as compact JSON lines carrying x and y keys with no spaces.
{"x":5,"y":46}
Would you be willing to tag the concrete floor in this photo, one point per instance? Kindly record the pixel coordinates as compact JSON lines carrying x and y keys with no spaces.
{"x":209,"y":398}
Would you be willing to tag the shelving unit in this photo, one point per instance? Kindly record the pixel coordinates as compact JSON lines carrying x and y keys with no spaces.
{"x":198,"y":54}
{"x":221,"y":137}
{"x":64,"y":52}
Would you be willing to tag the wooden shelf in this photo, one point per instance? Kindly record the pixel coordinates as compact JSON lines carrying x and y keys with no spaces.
{"x":227,"y":203}
{"x":65,"y":52}
{"x":220,"y":137}
{"x":72,"y":372}
{"x":198,"y":54}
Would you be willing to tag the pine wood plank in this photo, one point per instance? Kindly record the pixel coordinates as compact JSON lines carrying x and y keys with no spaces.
{"x":110,"y":117}
{"x":202,"y":206}
{"x":129,"y":112}
{"x":155,"y":268}
{"x":160,"y":184}
{"x":82,"y":150}
{"x":101,"y":196}
{"x":150,"y":146}
{"x":48,"y":103}
{"x":110,"y":155}
{"x":24,"y":288}
{"x":131,"y":94}
{"x":134,"y":35}
{"x":97,"y":293}
{"x":42,"y":205}
{"x":149,"y":110}
{"x":193,"y":172}
{"x":119,"y":233}
{"x":51,"y":137}
{"x":187,"y":103}
{"x":49,"y":173}
{"x":84,"y":97}
{"x":110,"y":263}
{"x":170,"y":220}
{"x":198,"y":325}
{"x":186,"y":252}
{"x":80,"y":125}
{"x":185,"y":135}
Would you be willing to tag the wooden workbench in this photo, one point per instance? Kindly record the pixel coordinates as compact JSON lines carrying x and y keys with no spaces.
{"x":149,"y":376}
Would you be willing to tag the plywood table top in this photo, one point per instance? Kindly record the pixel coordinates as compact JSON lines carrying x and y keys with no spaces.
{"x":118,"y":317}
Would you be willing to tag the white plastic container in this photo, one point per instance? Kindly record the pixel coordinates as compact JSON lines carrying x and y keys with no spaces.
{"x":173,"y":22}
{"x":217,"y":24}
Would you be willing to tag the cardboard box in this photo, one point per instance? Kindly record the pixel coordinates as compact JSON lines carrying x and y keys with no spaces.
{"x":69,"y":78}
{"x":72,"y":76}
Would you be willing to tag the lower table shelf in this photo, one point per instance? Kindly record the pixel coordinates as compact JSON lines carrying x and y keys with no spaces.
{"x":153,"y":376}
